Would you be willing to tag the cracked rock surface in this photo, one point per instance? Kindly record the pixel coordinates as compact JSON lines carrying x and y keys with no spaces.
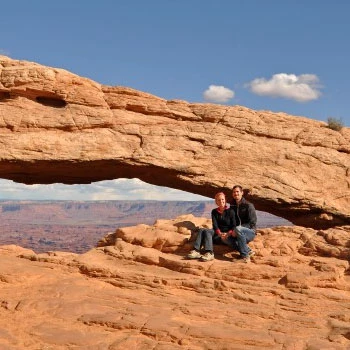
{"x":137,"y":290}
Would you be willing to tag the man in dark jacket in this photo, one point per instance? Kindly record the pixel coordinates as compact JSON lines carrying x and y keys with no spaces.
{"x":245,"y":230}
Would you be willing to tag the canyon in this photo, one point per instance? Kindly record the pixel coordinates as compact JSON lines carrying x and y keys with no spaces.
{"x":77,"y":226}
{"x":136,"y":289}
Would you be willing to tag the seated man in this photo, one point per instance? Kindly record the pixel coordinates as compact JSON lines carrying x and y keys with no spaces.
{"x":223,"y":220}
{"x":245,"y":231}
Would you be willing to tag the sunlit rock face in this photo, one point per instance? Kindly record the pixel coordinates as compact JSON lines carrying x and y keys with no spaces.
{"x":138,"y":291}
{"x":58,"y":127}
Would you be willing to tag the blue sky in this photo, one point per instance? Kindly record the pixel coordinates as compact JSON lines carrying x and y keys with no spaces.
{"x":287,"y":56}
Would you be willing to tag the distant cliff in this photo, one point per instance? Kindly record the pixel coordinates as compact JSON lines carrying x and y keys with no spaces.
{"x":77,"y":226}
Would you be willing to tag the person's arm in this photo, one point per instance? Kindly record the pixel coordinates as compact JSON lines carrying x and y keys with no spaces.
{"x":215,"y":222}
{"x":232,"y":216}
{"x":252,"y":216}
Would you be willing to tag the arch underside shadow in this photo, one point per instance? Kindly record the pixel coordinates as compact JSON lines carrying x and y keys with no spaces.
{"x":78,"y":172}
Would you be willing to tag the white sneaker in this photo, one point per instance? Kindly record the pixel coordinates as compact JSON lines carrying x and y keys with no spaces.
{"x":193,"y":254}
{"x":246,"y":259}
{"x":251,"y":253}
{"x":207,"y":256}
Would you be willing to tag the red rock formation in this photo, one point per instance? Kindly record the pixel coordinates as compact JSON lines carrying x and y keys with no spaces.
{"x":137,"y":291}
{"x":58,"y":127}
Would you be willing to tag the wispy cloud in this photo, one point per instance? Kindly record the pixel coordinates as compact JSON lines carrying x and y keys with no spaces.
{"x":218,"y":94}
{"x":301,"y":88}
{"x":120,"y":189}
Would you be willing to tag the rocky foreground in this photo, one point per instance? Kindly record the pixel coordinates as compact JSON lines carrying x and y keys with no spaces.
{"x":137,"y":291}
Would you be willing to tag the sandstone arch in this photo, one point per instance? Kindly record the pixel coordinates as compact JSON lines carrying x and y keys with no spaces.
{"x":58,"y":127}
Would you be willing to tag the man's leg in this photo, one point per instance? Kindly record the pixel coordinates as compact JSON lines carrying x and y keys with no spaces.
{"x":231,"y":242}
{"x":244,"y":236}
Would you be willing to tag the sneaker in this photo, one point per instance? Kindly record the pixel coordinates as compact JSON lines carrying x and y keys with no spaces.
{"x":246,"y":259}
{"x":194,"y":254}
{"x":251,"y":253}
{"x":207,"y":256}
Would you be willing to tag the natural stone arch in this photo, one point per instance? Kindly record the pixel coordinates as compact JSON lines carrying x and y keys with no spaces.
{"x":59,"y":127}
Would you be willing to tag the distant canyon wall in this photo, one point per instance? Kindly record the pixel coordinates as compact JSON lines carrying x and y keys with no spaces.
{"x":58,"y":127}
{"x":77,"y":226}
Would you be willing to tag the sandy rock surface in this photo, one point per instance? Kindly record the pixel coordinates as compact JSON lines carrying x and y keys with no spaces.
{"x":138,"y":291}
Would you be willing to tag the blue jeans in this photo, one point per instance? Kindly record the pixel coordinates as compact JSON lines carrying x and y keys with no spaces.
{"x":240,"y":243}
{"x":204,"y":238}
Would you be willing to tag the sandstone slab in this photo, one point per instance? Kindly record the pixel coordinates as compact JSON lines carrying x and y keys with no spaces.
{"x":141,"y":294}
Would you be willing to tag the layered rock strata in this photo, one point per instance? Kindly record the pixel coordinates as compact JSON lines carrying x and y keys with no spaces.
{"x":58,"y":127}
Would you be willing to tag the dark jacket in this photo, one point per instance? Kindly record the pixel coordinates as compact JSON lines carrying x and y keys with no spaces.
{"x":225,"y":221}
{"x":245,"y":214}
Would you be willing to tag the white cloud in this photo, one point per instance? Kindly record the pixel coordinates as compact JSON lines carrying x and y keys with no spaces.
{"x":219,"y":94}
{"x":301,"y":88}
{"x":120,"y":189}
